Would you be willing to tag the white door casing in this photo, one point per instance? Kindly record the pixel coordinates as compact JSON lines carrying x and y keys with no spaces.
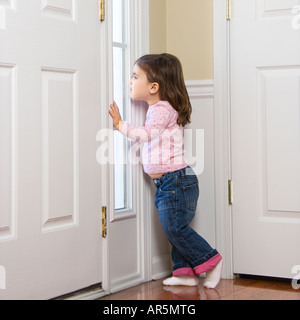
{"x":222,"y":156}
{"x":129,"y":232}
{"x":265,"y":123}
{"x":50,"y":112}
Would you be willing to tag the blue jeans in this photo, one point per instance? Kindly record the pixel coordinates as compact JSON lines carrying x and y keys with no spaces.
{"x":176,"y":199}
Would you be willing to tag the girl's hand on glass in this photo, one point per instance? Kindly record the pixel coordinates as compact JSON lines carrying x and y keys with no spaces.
{"x":115,"y":114}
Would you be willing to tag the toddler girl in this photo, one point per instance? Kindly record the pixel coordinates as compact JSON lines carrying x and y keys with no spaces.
{"x":158,"y":80}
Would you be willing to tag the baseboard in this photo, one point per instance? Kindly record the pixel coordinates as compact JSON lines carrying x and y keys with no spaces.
{"x":126,"y":282}
{"x":161,"y":267}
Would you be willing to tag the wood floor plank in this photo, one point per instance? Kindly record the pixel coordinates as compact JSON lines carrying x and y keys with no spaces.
{"x":248,"y":288}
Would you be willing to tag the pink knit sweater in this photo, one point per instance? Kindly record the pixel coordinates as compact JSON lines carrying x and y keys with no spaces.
{"x":163,"y":149}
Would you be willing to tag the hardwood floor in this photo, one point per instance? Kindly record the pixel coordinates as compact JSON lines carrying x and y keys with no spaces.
{"x":243,"y":288}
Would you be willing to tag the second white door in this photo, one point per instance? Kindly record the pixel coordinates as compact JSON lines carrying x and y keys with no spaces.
{"x":265,"y":96}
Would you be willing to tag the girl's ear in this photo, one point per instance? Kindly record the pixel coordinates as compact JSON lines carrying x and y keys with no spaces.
{"x":154,"y":88}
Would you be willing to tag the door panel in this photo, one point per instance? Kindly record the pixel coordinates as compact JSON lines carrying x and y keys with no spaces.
{"x":60,"y":132}
{"x":50,"y":112}
{"x":7,"y":151}
{"x":265,"y":77}
{"x":275,"y":8}
{"x":279,"y":104}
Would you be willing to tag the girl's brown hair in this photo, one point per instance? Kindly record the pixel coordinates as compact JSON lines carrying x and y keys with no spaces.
{"x":166,"y":70}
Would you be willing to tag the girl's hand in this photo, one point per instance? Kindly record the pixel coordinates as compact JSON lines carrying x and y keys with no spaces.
{"x":115,"y":114}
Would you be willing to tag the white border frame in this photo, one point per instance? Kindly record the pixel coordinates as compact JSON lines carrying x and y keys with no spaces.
{"x":224,"y":239}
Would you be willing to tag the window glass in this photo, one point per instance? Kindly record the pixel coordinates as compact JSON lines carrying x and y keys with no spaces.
{"x":121,"y":96}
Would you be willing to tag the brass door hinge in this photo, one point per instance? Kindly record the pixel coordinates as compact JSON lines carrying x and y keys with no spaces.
{"x":230,"y":192}
{"x":102,"y":10}
{"x":228,"y":10}
{"x":104,"y":222}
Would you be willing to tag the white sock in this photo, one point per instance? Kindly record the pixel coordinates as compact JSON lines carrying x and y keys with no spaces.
{"x":213,"y":276}
{"x":181,"y":281}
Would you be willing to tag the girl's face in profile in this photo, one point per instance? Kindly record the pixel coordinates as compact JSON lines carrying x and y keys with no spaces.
{"x":139,"y":85}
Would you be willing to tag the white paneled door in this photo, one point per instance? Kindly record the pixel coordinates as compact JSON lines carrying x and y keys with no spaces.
{"x":50,"y":193}
{"x":265,"y":96}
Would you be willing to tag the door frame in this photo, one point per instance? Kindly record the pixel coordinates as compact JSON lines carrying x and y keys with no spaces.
{"x":222,"y":122}
{"x":139,"y":46}
{"x":224,"y":241}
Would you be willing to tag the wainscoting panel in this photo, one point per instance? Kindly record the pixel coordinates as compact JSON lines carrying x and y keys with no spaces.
{"x":199,"y":148}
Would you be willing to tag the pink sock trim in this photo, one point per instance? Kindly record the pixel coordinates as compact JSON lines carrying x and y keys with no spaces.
{"x":184,"y":272}
{"x":208,"y":265}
